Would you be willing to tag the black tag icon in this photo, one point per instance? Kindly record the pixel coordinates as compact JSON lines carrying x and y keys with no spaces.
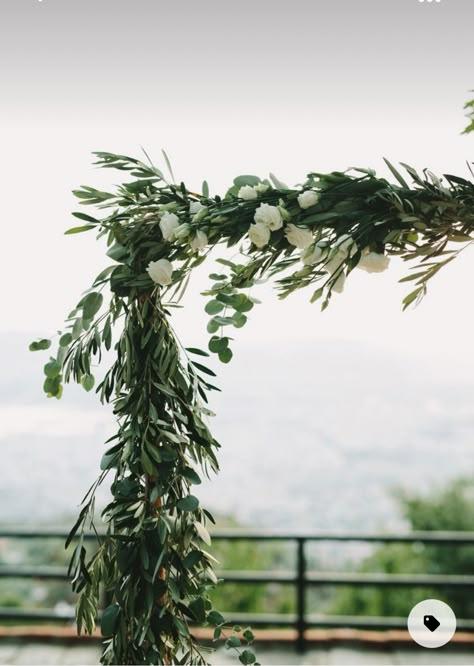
{"x":431,"y":622}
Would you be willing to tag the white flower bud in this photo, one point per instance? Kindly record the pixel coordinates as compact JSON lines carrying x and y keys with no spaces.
{"x":247,"y":192}
{"x":195,"y":207}
{"x":168,"y":224}
{"x":199,"y":241}
{"x":308,"y":198}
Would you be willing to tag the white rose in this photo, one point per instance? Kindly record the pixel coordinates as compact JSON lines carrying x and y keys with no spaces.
{"x":334,"y":264}
{"x":269,"y":215}
{"x":247,"y":192}
{"x":195,"y":207}
{"x":373,"y":262}
{"x":298,"y":236}
{"x":199,"y":241}
{"x":160,"y":271}
{"x":313,"y":255}
{"x":307,"y":199}
{"x":259,"y":234}
{"x":261,"y":188}
{"x":168,"y":223}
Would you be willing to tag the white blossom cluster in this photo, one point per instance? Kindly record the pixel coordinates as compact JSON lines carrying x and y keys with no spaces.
{"x":268,"y":218}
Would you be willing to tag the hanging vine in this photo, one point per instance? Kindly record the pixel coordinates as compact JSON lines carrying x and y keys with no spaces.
{"x":154,"y":559}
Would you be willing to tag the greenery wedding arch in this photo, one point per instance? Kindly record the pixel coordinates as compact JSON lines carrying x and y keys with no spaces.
{"x":154,"y":559}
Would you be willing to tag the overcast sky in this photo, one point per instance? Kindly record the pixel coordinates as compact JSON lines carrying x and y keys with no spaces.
{"x":229,"y":89}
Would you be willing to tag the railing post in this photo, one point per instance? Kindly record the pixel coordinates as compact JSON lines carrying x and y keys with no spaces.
{"x":300,"y":595}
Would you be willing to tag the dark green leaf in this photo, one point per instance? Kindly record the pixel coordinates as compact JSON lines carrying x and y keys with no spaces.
{"x":40,"y":345}
{"x":317,"y":294}
{"x":109,"y":620}
{"x":78,"y":230}
{"x":214,"y":617}
{"x":87,"y":382}
{"x":192,"y":476}
{"x":92,"y":304}
{"x":192,"y":558}
{"x":189,"y":503}
{"x":246,"y":180}
{"x":214,"y":307}
{"x":247,"y":657}
{"x":248,"y":635}
{"x":225,"y":355}
{"x":203,"y":368}
{"x":198,"y":609}
{"x":65,"y":340}
{"x":241,"y":303}
{"x":239,"y":320}
{"x":396,"y":173}
{"x":217,"y":344}
{"x":212,"y":326}
{"x":117,"y":252}
{"x":198,"y":352}
{"x":77,"y":328}
{"x":86,"y":218}
{"x":52,"y":369}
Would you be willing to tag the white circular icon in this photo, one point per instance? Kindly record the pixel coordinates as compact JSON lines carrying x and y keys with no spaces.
{"x":431,"y":623}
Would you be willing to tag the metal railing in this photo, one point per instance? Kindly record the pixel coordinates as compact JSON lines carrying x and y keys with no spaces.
{"x":300,"y":578}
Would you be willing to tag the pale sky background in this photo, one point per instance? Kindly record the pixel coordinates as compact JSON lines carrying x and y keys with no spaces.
{"x":225,"y":90}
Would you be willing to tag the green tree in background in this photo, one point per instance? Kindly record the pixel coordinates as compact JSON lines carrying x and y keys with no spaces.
{"x":450,"y":508}
{"x":469,"y":106}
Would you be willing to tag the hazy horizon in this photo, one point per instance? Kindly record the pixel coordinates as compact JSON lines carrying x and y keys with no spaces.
{"x":287,"y":88}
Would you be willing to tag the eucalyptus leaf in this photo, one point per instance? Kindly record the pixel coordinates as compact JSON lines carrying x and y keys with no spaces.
{"x":92,"y":304}
{"x":189,"y":503}
{"x":109,"y":620}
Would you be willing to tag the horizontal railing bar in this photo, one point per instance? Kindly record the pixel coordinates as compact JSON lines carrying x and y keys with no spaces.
{"x":256,"y":620}
{"x":354,"y":580}
{"x":384,"y":580}
{"x":280,"y":577}
{"x":32,"y":615}
{"x":31,"y":533}
{"x":449,"y":537}
{"x":264,"y":577}
{"x":52,"y":573}
{"x":427,"y":536}
{"x":370,"y":622}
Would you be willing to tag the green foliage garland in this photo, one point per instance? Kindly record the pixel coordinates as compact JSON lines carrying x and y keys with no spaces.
{"x":153,"y":560}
